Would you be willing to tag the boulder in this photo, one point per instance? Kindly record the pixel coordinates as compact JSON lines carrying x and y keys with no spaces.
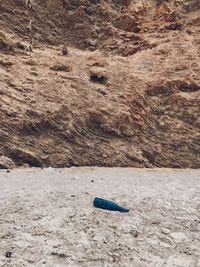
{"x":6,"y":163}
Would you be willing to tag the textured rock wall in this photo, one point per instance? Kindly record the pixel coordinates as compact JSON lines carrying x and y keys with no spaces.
{"x":126,"y":94}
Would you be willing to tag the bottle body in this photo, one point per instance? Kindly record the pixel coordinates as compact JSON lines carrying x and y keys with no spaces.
{"x":108,"y":205}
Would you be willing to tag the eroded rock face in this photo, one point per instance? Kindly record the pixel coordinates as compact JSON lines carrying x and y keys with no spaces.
{"x":107,"y":25}
{"x":136,"y":102}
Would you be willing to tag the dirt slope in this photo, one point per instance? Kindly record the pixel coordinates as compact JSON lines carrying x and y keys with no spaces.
{"x":126,"y":94}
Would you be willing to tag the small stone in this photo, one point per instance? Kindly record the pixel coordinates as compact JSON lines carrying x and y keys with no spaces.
{"x":65,"y":51}
{"x":136,"y":29}
{"x":165,"y":231}
{"x":8,"y":254}
{"x":188,"y":31}
{"x":134,"y":233}
{"x":174,"y":26}
{"x":60,"y":254}
{"x":6,"y":163}
{"x":101,"y":91}
{"x":54,"y":243}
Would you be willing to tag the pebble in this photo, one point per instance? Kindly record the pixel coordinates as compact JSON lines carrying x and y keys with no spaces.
{"x":134,"y":233}
{"x":65,"y":51}
{"x":165,"y":231}
{"x":8,"y":254}
{"x":54,"y":243}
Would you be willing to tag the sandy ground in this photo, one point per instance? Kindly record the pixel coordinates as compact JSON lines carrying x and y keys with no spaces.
{"x":47,"y":218}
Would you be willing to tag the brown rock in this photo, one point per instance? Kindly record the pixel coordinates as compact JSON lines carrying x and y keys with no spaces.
{"x":135,"y":98}
{"x":65,"y":51}
{"x":6,"y":163}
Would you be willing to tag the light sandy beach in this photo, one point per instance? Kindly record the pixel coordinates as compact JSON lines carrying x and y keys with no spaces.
{"x":47,"y":218}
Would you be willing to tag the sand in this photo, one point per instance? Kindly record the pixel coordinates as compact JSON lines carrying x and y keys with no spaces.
{"x":47,"y":218}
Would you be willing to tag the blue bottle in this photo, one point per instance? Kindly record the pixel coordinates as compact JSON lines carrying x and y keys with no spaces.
{"x":108,"y":205}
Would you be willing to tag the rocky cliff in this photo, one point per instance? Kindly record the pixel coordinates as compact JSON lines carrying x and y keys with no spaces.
{"x":100,"y":82}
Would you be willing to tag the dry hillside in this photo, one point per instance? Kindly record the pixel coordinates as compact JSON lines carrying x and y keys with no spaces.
{"x":125,"y":92}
